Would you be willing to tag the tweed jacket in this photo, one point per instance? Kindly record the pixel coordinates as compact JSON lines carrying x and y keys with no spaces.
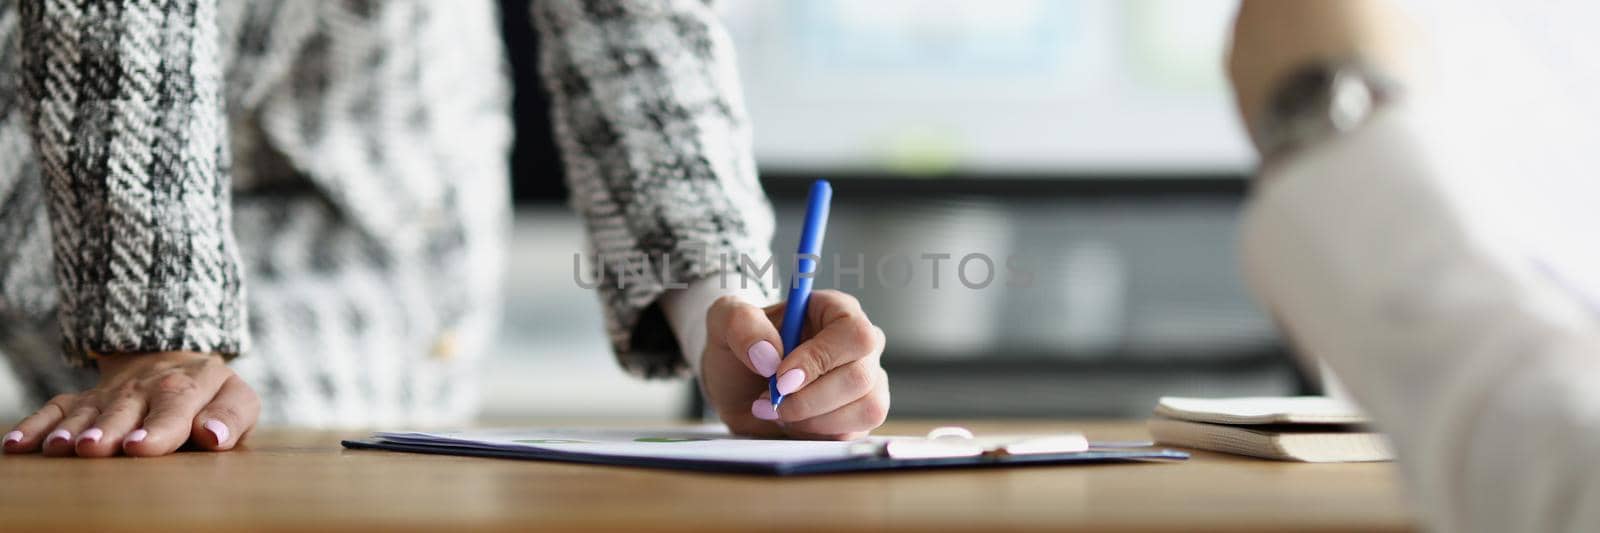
{"x":321,"y":185}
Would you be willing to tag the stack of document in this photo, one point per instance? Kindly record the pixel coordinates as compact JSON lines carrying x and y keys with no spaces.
{"x":711,"y":448}
{"x":1311,"y":429}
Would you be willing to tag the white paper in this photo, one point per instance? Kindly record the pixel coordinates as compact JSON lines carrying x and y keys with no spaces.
{"x":711,"y":443}
{"x":714,"y":443}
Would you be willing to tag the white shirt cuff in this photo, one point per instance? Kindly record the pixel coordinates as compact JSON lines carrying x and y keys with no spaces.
{"x":686,"y":309}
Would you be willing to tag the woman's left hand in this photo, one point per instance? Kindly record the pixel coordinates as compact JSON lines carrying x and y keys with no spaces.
{"x":144,"y":405}
{"x":833,"y":385}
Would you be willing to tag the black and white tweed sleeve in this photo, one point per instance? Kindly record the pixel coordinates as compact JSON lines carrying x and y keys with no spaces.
{"x":127,"y":117}
{"x":651,"y":125}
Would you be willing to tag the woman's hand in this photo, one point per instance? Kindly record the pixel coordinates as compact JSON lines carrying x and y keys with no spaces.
{"x":144,"y":405}
{"x":832,"y":383}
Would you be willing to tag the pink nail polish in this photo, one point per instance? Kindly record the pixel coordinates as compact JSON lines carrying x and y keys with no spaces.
{"x":91,"y":435}
{"x":764,"y":358}
{"x":60,"y":434}
{"x":217,"y":429}
{"x":14,"y":436}
{"x":137,"y":436}
{"x":762,"y":409}
{"x":790,"y":381}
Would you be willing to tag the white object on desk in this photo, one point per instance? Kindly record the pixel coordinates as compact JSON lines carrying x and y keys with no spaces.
{"x":1261,"y":410}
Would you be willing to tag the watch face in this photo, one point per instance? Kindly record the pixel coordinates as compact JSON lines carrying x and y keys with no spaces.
{"x":1316,"y":102}
{"x":1350,"y":100}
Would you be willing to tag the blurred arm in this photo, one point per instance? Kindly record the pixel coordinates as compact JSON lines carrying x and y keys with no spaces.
{"x":1429,"y":257}
{"x":1385,"y":254}
{"x":1272,"y":38}
{"x":651,"y":125}
{"x":127,"y":118}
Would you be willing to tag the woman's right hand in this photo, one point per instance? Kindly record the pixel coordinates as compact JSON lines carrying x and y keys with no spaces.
{"x":145,"y":405}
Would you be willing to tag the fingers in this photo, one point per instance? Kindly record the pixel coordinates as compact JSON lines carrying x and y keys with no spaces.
{"x":175,"y":399}
{"x":832,"y":381}
{"x":826,"y":306}
{"x":146,"y":404}
{"x":747,"y":332}
{"x":29,"y":434}
{"x":741,"y":420}
{"x":230,"y":414}
{"x":833,"y":390}
{"x":852,"y":421}
{"x":83,"y":412}
{"x":730,"y":376}
{"x":843,"y":335}
{"x":119,"y":416}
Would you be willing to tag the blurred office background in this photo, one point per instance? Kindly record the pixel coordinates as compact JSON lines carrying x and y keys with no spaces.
{"x":1093,"y":141}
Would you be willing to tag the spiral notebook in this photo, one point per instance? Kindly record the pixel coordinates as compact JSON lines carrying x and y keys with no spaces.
{"x":712,"y":449}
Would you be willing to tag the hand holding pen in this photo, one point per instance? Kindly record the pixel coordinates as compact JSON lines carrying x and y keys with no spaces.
{"x":830,"y":384}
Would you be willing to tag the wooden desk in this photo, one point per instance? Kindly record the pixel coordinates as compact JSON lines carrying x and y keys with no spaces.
{"x":287,"y":480}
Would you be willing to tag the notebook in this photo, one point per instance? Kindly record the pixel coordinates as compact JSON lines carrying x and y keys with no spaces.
{"x":1307,"y":429}
{"x":713,"y":449}
{"x":1261,"y":410}
{"x":1285,"y":443}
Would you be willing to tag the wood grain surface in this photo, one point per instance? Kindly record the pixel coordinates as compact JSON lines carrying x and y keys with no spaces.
{"x":303,"y":480}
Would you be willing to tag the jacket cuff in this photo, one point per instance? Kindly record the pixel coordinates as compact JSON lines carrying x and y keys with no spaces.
{"x":191,"y":317}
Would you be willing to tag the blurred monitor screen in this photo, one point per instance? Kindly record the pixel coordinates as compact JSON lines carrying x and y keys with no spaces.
{"x":1014,"y":87}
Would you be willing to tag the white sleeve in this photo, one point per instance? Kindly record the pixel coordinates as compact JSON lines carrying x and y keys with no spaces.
{"x":686,"y":309}
{"x":1394,"y":254}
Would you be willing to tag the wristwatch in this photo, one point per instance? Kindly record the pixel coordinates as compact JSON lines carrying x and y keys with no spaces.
{"x":1320,"y":101}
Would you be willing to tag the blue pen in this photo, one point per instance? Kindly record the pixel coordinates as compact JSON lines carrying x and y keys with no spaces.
{"x":810,"y":250}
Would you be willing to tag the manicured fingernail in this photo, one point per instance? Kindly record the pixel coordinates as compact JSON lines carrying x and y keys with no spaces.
{"x":14,"y":436}
{"x":762,"y":409}
{"x":92,"y":435}
{"x":137,"y":436}
{"x":764,"y":357}
{"x":61,"y":435}
{"x":217,"y":429}
{"x":790,"y":381}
